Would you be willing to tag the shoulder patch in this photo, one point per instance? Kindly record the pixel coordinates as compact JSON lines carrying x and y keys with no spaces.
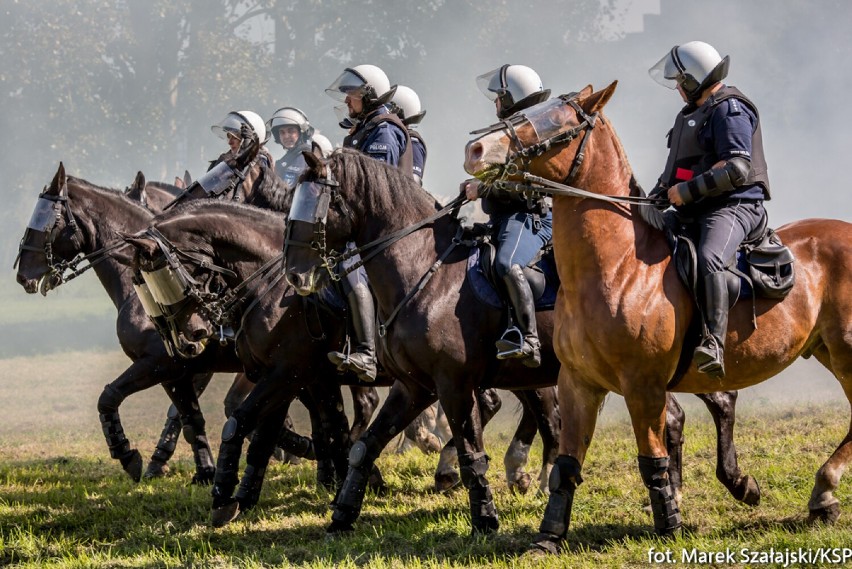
{"x":377,"y":147}
{"x":734,"y":107}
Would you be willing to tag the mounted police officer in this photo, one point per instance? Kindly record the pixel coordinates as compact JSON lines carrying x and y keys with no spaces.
{"x":522,"y":227}
{"x":379,"y":133}
{"x":291,"y":129}
{"x":715,"y":177}
{"x":321,"y":143}
{"x":229,"y":129}
{"x":406,"y":105}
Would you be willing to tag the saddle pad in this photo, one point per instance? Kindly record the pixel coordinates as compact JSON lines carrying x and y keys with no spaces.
{"x":487,"y":294}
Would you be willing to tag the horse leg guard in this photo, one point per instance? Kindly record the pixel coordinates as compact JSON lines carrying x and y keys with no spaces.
{"x":158,"y":465}
{"x":196,"y":436}
{"x":119,"y":446}
{"x":296,"y":444}
{"x":225,"y":507}
{"x":563,"y":482}
{"x":483,"y":513}
{"x":350,"y":498}
{"x":664,"y":507}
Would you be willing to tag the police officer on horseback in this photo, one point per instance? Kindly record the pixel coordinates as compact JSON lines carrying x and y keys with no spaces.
{"x":522,"y":227}
{"x":291,"y":129}
{"x":231,"y":129}
{"x":715,"y":177}
{"x":406,"y":105}
{"x":379,"y":133}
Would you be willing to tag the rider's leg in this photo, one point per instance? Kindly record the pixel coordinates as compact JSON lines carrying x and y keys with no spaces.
{"x":520,"y":295}
{"x":362,"y":359}
{"x":721,"y":232}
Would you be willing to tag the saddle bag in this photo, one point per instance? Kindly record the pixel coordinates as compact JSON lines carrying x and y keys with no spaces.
{"x":770,"y":267}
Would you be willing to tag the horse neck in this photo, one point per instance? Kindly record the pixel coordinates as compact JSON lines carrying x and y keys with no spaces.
{"x":101,"y":214}
{"x":603,"y":235}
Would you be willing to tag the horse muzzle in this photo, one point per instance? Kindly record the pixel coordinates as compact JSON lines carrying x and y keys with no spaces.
{"x":305,"y":283}
{"x":482,"y":154}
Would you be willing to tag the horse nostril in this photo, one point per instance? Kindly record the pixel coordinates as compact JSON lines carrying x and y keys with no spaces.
{"x":295,"y":279}
{"x":198,"y":335}
{"x":474,"y":153}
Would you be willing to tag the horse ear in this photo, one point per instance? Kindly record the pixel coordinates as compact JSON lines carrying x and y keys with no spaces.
{"x":594,"y":102}
{"x":58,"y":181}
{"x":187,"y":179}
{"x":314,"y":162}
{"x":179,"y":183}
{"x":135,"y":190}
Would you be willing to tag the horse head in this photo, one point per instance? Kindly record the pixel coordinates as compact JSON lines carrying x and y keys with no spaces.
{"x":319,"y":225}
{"x":173,"y":288}
{"x":545,"y":140}
{"x":52,"y":237}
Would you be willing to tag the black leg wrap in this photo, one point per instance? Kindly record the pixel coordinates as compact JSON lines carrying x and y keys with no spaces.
{"x":195,"y":434}
{"x":168,"y":439}
{"x":227,"y":466}
{"x":655,"y":475}
{"x":564,"y":479}
{"x":296,"y":444}
{"x":118,"y":444}
{"x":483,"y":514}
{"x":350,"y":498}
{"x":249,"y":491}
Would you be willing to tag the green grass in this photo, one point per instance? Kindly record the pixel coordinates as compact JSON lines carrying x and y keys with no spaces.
{"x":65,"y":503}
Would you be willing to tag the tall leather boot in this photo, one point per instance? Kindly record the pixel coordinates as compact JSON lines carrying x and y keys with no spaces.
{"x":362,"y":359}
{"x":520,"y":342}
{"x":709,"y":356}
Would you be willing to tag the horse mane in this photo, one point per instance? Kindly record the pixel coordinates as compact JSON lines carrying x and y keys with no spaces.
{"x":270,"y":192}
{"x":109,"y":192}
{"x":390,"y":187}
{"x":229,"y":208}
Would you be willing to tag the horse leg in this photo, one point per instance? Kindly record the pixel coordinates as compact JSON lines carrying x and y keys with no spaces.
{"x":158,"y":465}
{"x":330,"y":432}
{"x":365,"y":401}
{"x":579,"y":405}
{"x":675,"y":422}
{"x":420,"y":431}
{"x":722,"y":406}
{"x":266,"y":397}
{"x":403,"y":404}
{"x":293,"y":447}
{"x":138,"y":376}
{"x":823,"y":505}
{"x":182,"y":394}
{"x":260,"y":449}
{"x":517,"y":455}
{"x":239,"y":390}
{"x":446,"y":475}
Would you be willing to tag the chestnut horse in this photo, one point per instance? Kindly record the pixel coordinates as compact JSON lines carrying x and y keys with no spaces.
{"x":442,"y":341}
{"x":622,"y":313}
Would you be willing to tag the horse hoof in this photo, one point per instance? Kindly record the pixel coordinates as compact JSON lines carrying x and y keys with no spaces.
{"x":132,"y":464}
{"x":203,"y":477}
{"x":542,"y":545}
{"x":156,"y":469}
{"x":521,"y":485}
{"x":751,"y":493}
{"x":222,"y":516}
{"x":338,"y":528}
{"x":826,"y":515}
{"x":484,"y":525}
{"x":446,"y":481}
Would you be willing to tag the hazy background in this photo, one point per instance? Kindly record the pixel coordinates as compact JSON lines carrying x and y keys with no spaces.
{"x":111,"y":87}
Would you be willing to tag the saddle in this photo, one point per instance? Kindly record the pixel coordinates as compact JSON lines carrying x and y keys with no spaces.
{"x":482,"y":276}
{"x":763,"y":266}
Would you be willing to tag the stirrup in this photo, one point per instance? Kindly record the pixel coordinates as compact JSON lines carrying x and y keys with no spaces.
{"x":511,"y":344}
{"x":709,"y":358}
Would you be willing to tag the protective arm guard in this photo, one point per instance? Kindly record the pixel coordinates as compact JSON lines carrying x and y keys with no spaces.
{"x":716,"y":181}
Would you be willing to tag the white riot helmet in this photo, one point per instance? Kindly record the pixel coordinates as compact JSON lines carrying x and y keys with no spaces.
{"x":324,"y":144}
{"x":366,"y":81}
{"x":516,"y":86}
{"x":290,"y":116}
{"x":407,"y":105}
{"x":694,"y":66}
{"x":235,"y":119}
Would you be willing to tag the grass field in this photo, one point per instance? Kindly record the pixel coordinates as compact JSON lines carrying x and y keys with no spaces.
{"x":65,"y":503}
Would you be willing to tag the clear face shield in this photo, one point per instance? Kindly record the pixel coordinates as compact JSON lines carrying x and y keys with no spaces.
{"x":230,"y":125}
{"x":666,"y":73}
{"x":549,"y":118}
{"x":44,"y":216}
{"x":349,"y":83}
{"x":218,"y":180}
{"x":310,"y":203}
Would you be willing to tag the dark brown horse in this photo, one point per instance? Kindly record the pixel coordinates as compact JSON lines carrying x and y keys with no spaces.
{"x":439,"y":339}
{"x":622,"y":313}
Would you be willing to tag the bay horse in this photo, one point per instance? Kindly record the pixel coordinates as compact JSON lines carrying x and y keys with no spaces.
{"x":622,"y":313}
{"x":437,"y":338}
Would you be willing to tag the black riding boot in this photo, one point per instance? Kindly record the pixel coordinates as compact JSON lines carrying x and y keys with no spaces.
{"x":362,"y":360}
{"x":522,"y":341}
{"x":710,"y":354}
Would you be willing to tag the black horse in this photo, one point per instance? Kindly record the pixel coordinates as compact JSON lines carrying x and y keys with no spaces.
{"x":438,"y":339}
{"x":73,"y":217}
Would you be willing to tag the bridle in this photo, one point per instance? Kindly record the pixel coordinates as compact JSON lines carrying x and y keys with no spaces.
{"x":520,"y":157}
{"x":45,"y":219}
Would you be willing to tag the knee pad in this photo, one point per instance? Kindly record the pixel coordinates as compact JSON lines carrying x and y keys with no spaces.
{"x":473,"y":468}
{"x":358,"y":454}
{"x":565,"y":475}
{"x":109,"y":400}
{"x":229,"y":430}
{"x":173,"y":412}
{"x":654,"y":471}
{"x":189,"y":433}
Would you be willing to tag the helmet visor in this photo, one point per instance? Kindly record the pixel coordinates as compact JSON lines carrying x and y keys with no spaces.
{"x":491,"y":84}
{"x":229,"y":125}
{"x":665,"y":72}
{"x":349,"y":83}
